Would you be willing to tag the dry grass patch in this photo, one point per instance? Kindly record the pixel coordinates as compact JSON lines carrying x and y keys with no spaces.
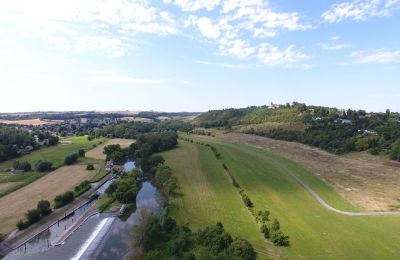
{"x":97,"y":153}
{"x":371,"y":182}
{"x":8,"y":185}
{"x":294,"y":126}
{"x":34,"y":122}
{"x":14,"y":206}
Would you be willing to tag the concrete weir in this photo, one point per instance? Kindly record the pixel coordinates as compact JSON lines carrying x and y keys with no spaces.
{"x":61,"y":239}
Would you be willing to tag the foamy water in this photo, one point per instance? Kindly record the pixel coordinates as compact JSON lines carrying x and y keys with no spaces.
{"x":91,"y":243}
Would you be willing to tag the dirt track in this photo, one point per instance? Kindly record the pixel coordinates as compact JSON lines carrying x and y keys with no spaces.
{"x":362,"y":179}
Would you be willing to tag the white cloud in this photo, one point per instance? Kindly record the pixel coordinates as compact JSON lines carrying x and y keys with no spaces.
{"x":76,"y":24}
{"x":194,"y":5}
{"x":272,"y":56}
{"x":113,"y":47}
{"x":207,"y":28}
{"x":335,"y":47}
{"x":376,"y":56}
{"x":111,"y":76}
{"x":359,"y":10}
{"x":335,"y":38}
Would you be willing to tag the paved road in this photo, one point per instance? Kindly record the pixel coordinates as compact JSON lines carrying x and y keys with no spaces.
{"x":324,"y":203}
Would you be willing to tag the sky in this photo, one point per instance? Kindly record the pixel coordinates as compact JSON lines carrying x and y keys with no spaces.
{"x":186,"y":55}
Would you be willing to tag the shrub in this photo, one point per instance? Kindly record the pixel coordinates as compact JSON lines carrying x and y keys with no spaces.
{"x":43,"y":166}
{"x":70,"y":159}
{"x":64,"y":199}
{"x":44,"y":208}
{"x":90,"y":167}
{"x":242,"y":249}
{"x":22,"y":225}
{"x":247,"y":200}
{"x":33,"y":216}
{"x":22,"y":165}
{"x":81,"y":153}
{"x":265,"y":231}
{"x":279,"y":239}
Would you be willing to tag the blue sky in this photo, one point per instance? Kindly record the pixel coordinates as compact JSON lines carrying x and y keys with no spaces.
{"x":184,"y":55}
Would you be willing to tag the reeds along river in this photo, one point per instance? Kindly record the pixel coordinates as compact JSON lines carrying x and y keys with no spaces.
{"x":100,"y":237}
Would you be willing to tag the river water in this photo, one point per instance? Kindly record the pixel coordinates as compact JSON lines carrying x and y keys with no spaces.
{"x":101,"y":237}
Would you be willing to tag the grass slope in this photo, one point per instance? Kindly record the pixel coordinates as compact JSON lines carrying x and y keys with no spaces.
{"x":208,"y":195}
{"x":315,"y":232}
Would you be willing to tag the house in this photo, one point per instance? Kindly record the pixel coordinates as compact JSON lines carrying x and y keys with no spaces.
{"x":109,"y":165}
{"x":274,"y":106}
{"x":398,"y":120}
{"x":346,"y":121}
{"x":370,"y":132}
{"x":15,"y":171}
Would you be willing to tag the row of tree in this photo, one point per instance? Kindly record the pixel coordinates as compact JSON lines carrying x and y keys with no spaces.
{"x":40,"y":166}
{"x":34,"y":215}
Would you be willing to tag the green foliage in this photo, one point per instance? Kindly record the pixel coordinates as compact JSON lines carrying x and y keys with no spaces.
{"x":71,"y":159}
{"x":165,"y":181}
{"x":163,"y":239}
{"x":82,"y":188}
{"x":22,"y":165}
{"x":125,"y":189}
{"x":395,"y":153}
{"x":11,"y":139}
{"x":44,"y":207}
{"x":90,"y":167}
{"x":43,"y":166}
{"x":81,"y":153}
{"x":64,"y":199}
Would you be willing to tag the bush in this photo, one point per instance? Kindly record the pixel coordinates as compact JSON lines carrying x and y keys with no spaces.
{"x":265,"y":231}
{"x":279,"y":239}
{"x":43,"y":166}
{"x":90,"y":167}
{"x":44,"y":208}
{"x":22,"y":165}
{"x":22,"y":225}
{"x":242,"y":249}
{"x":247,"y":200}
{"x":81,"y":153}
{"x":70,"y":159}
{"x":33,"y":216}
{"x":64,"y":199}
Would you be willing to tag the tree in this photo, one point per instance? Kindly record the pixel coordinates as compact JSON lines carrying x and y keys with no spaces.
{"x":53,"y":140}
{"x":44,"y":207}
{"x":90,"y":167}
{"x":33,"y":216}
{"x":395,"y":153}
{"x":22,"y":165}
{"x":81,"y":153}
{"x":242,"y":249}
{"x":70,"y":159}
{"x":43,"y":166}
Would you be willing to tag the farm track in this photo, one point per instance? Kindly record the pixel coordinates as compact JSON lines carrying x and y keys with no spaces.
{"x":322,"y":201}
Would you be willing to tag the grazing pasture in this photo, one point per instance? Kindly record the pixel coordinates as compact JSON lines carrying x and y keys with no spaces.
{"x":315,"y":232}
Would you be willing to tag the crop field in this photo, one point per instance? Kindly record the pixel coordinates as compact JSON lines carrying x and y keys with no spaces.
{"x":315,"y":232}
{"x":55,"y":154}
{"x":34,"y":122}
{"x":97,"y":152}
{"x":14,"y":205}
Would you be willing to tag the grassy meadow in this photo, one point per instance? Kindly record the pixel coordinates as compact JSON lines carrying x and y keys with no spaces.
{"x":315,"y":232}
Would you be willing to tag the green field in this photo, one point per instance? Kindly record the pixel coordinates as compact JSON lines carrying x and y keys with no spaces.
{"x":208,"y":195}
{"x":55,"y":154}
{"x":315,"y":232}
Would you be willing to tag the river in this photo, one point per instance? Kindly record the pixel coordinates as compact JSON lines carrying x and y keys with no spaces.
{"x":102,"y":236}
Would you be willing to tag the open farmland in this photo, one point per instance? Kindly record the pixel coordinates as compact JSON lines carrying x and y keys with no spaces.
{"x":13,"y":206}
{"x":34,"y":122}
{"x":368,"y":181}
{"x":54,"y":154}
{"x":314,"y":231}
{"x":97,"y":153}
